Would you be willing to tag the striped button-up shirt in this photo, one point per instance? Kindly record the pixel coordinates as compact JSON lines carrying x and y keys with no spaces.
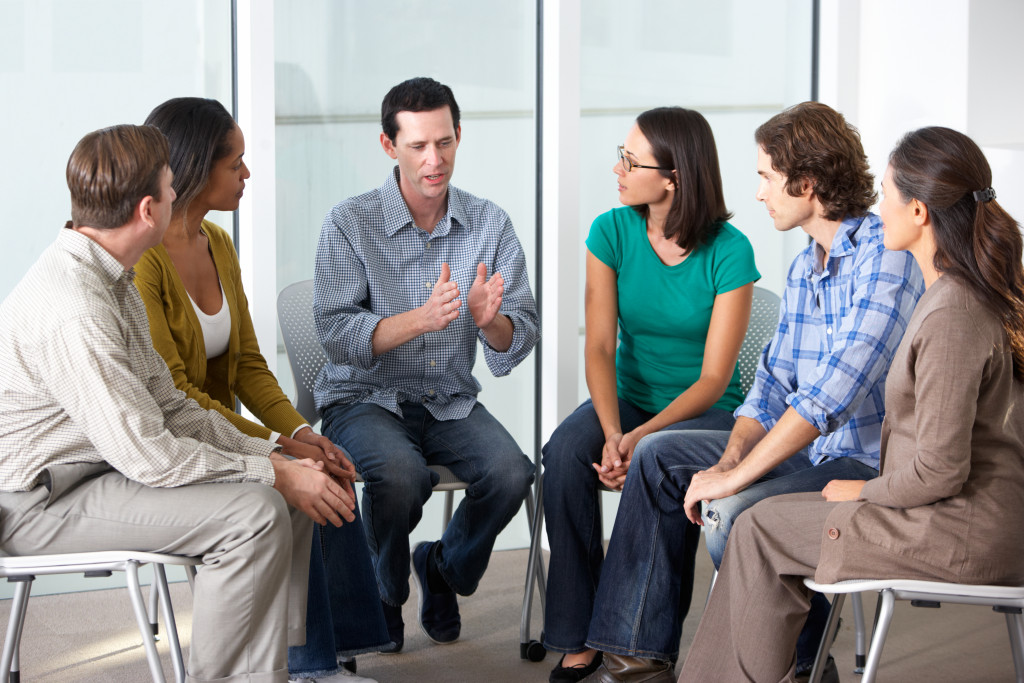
{"x":372,"y":262}
{"x":839,"y":327}
{"x":80,"y":382}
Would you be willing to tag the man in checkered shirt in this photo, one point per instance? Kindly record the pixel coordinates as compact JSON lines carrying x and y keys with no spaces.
{"x":409,"y":278}
{"x":100,"y":451}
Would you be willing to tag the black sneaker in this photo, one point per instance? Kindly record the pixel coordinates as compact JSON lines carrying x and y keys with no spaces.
{"x":574,"y":674}
{"x":438,"y":612}
{"x":396,"y":628}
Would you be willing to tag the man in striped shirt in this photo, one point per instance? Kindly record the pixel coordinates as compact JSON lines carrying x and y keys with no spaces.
{"x":100,"y":451}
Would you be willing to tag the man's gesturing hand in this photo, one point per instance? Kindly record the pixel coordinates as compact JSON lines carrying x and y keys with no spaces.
{"x":485,"y":296}
{"x":443,"y":305}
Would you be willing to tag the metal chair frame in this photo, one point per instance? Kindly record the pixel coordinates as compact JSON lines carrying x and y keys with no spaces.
{"x":1008,"y":600}
{"x":22,"y":571}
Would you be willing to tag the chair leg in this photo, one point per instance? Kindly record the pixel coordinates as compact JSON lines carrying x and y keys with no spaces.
{"x":532,"y":649}
{"x":135,"y":593}
{"x":160,"y":586}
{"x":449,"y":504}
{"x":714,"y":577}
{"x":154,"y":595}
{"x":1015,"y":626}
{"x":883,"y":617}
{"x":860,"y":633}
{"x":831,"y":626}
{"x":10,"y":666}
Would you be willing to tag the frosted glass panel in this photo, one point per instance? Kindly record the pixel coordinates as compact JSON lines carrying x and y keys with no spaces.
{"x":335,"y":61}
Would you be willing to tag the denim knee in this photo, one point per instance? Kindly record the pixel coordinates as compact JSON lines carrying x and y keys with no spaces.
{"x":719,"y":518}
{"x":398,"y":486}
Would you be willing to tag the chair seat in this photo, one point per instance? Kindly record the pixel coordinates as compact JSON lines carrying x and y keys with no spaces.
{"x":67,"y":563}
{"x":928,"y":590}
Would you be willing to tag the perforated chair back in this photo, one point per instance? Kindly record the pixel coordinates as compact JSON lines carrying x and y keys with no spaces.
{"x":305,"y":355}
{"x":764,"y":318}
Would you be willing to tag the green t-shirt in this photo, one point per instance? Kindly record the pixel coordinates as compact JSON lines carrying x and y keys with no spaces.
{"x":665,"y":311}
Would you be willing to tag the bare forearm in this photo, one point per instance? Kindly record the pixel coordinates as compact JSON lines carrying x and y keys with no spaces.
{"x":746,"y":434}
{"x":790,"y":434}
{"x":696,"y":400}
{"x":499,"y":332}
{"x":600,"y":370}
{"x":392,"y":332}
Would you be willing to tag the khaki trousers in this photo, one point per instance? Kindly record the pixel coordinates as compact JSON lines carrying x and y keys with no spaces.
{"x":250,"y":590}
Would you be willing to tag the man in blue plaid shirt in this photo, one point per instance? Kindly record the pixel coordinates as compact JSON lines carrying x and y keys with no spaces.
{"x":409,"y":277}
{"x":813,"y":415}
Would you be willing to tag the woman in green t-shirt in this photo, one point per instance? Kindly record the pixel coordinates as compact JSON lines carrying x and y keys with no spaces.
{"x":675,"y":280}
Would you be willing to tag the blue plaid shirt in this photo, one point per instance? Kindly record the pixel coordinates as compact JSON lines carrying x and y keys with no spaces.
{"x":373,"y":262}
{"x":839,"y":327}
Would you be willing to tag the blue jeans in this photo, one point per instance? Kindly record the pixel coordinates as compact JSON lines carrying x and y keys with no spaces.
{"x":343,"y":612}
{"x":573,"y":518}
{"x":721,"y":514}
{"x":392,"y":454}
{"x":637,"y":608}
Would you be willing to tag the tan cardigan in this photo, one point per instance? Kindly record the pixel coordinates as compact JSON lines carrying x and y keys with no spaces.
{"x":178,"y":337}
{"x":949,"y":501}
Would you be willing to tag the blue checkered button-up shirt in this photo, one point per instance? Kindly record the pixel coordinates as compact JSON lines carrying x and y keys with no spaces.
{"x":373,"y":262}
{"x":839,"y":327}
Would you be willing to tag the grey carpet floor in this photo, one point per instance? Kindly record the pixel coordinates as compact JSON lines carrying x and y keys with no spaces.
{"x":91,"y":637}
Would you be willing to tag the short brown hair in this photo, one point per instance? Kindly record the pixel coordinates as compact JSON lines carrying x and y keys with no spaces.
{"x":111,"y":170}
{"x":813,"y":141}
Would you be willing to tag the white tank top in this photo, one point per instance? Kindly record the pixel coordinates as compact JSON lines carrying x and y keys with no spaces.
{"x":216,"y":328}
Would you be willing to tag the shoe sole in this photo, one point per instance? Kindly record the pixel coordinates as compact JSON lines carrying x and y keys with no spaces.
{"x":420,"y":592}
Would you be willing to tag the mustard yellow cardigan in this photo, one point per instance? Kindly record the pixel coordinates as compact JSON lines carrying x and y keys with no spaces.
{"x":178,"y":337}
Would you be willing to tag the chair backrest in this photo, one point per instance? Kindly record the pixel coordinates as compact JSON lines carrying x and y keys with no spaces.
{"x":305,"y":355}
{"x":764,"y":318}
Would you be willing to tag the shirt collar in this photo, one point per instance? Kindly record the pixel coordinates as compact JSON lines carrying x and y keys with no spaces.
{"x":396,"y":212}
{"x":843,"y":244}
{"x":87,"y":251}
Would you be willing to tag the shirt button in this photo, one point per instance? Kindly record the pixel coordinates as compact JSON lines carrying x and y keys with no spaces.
{"x":428,"y":245}
{"x":426,"y":285}
{"x":433,"y":363}
{"x":833,"y":533}
{"x":431,"y":392}
{"x":828,"y":330}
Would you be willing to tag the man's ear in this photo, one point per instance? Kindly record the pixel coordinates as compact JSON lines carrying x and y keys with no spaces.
{"x":458,"y":134}
{"x":388,"y":145}
{"x":806,"y":187}
{"x":144,"y":211}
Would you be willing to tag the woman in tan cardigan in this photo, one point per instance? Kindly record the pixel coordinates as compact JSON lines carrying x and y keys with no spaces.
{"x":949,"y":502}
{"x":199,"y":319}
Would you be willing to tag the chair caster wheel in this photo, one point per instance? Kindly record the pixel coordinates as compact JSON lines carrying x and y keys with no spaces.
{"x":533,"y":650}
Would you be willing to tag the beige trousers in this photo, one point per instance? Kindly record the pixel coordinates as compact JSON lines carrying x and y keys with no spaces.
{"x":250,"y":591}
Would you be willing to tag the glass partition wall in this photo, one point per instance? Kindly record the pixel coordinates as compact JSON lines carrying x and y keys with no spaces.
{"x":737,"y":62}
{"x":71,"y":66}
{"x":335,"y":61}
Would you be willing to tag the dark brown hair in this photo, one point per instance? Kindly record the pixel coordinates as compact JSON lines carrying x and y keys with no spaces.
{"x":976,"y":241}
{"x":197,"y":129}
{"x":416,"y":94}
{"x":681,"y":140}
{"x":111,"y":170}
{"x":813,"y":141}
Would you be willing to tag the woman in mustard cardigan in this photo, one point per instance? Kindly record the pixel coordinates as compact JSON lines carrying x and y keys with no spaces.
{"x":199,"y":320}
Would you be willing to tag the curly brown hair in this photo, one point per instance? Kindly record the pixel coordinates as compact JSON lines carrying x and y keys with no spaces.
{"x":813,"y":141}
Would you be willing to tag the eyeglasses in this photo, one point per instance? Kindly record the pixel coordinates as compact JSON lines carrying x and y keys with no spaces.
{"x":628,"y":165}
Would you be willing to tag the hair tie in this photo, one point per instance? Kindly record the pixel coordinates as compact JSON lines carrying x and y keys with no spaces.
{"x":986,"y":195}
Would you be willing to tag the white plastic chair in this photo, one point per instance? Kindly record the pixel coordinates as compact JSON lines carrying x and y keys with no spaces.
{"x":22,"y":570}
{"x":764,"y":318}
{"x":1008,"y":600}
